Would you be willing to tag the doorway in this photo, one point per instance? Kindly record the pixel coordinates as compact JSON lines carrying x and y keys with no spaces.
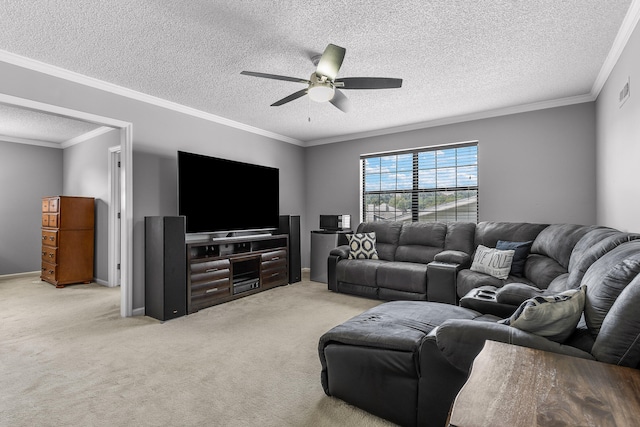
{"x":123,"y":194}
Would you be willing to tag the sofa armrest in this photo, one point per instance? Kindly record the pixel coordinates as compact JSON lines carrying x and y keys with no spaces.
{"x":332,"y":278}
{"x":341,"y":252}
{"x":460,"y":341}
{"x":453,"y":257}
{"x":516,"y":293}
{"x":441,"y":282}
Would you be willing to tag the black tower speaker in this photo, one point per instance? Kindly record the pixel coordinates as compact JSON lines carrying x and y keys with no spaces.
{"x":290,"y":224}
{"x":165,"y":267}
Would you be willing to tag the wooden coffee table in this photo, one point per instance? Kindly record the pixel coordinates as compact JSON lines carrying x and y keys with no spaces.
{"x":518,"y":386}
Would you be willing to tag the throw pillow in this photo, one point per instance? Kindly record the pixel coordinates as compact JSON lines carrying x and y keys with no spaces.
{"x":520,"y":255}
{"x":491,"y":261}
{"x":362,"y":246}
{"x":554,"y":317}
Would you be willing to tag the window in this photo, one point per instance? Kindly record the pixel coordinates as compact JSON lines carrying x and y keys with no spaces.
{"x":426,"y":184}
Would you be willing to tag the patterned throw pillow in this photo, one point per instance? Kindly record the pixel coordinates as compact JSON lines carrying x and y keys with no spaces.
{"x":491,"y":261}
{"x":362,"y":246}
{"x":554,"y":317}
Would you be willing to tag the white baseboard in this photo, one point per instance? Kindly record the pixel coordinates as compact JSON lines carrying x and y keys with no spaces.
{"x":26,"y":273}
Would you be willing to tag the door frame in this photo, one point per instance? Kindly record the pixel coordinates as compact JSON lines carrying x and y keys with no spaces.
{"x":126,"y":185}
{"x":114,"y":239}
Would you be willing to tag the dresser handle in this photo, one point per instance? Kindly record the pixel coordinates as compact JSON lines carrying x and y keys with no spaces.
{"x":44,"y":253}
{"x":51,"y":238}
{"x":211,"y":270}
{"x":275,"y":258}
{"x":50,"y":271}
{"x":211,"y":290}
{"x":44,"y":237}
{"x":50,"y":255}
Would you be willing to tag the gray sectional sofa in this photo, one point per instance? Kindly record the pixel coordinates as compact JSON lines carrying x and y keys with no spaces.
{"x":409,"y":251}
{"x":405,"y":360}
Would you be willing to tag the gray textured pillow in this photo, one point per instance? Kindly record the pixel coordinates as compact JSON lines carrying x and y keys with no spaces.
{"x":554,"y":317}
{"x":494,"y":262}
{"x":362,"y":246}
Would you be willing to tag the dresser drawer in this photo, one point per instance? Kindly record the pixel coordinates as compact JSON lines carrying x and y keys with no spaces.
{"x":50,"y":254}
{"x":50,"y":237}
{"x":48,"y":272}
{"x":50,"y":220}
{"x":54,"y":204}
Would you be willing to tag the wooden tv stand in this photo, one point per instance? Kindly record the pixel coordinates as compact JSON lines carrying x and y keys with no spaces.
{"x":229,"y":268}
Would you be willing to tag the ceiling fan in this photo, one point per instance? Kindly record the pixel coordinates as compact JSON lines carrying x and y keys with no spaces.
{"x":323,"y":85}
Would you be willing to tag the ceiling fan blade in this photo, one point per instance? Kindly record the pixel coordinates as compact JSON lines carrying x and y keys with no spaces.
{"x":341,"y":102}
{"x":369,"y":83}
{"x":330,"y":61}
{"x":275,"y":77}
{"x":290,"y":98}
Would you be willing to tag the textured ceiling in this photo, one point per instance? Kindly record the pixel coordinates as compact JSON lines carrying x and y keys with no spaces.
{"x":39,"y":128}
{"x":456,"y":57}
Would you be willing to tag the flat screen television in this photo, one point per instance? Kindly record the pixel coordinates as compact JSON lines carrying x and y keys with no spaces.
{"x":219,"y":195}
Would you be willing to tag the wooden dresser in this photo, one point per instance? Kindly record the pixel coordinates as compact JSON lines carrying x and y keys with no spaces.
{"x":67,"y":240}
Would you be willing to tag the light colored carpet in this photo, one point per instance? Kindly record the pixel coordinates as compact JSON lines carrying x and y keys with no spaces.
{"x":67,"y":358}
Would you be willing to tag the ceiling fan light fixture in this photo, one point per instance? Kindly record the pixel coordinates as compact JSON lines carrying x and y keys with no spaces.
{"x":321,"y":93}
{"x":320,"y":89}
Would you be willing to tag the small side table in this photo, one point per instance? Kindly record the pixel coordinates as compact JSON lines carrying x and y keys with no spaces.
{"x":322,"y":241}
{"x":518,"y":386}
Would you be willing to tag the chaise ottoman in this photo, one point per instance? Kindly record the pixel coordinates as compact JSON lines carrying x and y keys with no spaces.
{"x":373,"y":361}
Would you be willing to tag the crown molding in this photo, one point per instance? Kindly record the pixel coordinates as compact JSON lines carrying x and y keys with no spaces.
{"x":28,"y":141}
{"x":459,"y":119}
{"x":74,"y":77}
{"x":86,"y":136}
{"x":629,"y":24}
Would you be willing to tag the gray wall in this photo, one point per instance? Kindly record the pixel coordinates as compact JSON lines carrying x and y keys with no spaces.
{"x":157,"y":135}
{"x":537,"y":166}
{"x":85,"y":173}
{"x":27,"y":174}
{"x":618,"y":143}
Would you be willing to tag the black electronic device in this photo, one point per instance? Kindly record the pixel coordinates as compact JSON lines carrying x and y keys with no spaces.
{"x":290,"y":225}
{"x":335,"y":222}
{"x":220,"y":195}
{"x":165,"y":267}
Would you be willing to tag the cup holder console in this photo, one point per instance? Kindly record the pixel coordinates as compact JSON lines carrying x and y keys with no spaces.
{"x":486,"y":294}
{"x":485,"y":301}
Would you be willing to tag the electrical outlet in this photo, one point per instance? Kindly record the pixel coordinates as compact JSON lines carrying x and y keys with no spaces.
{"x":625,"y":92}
